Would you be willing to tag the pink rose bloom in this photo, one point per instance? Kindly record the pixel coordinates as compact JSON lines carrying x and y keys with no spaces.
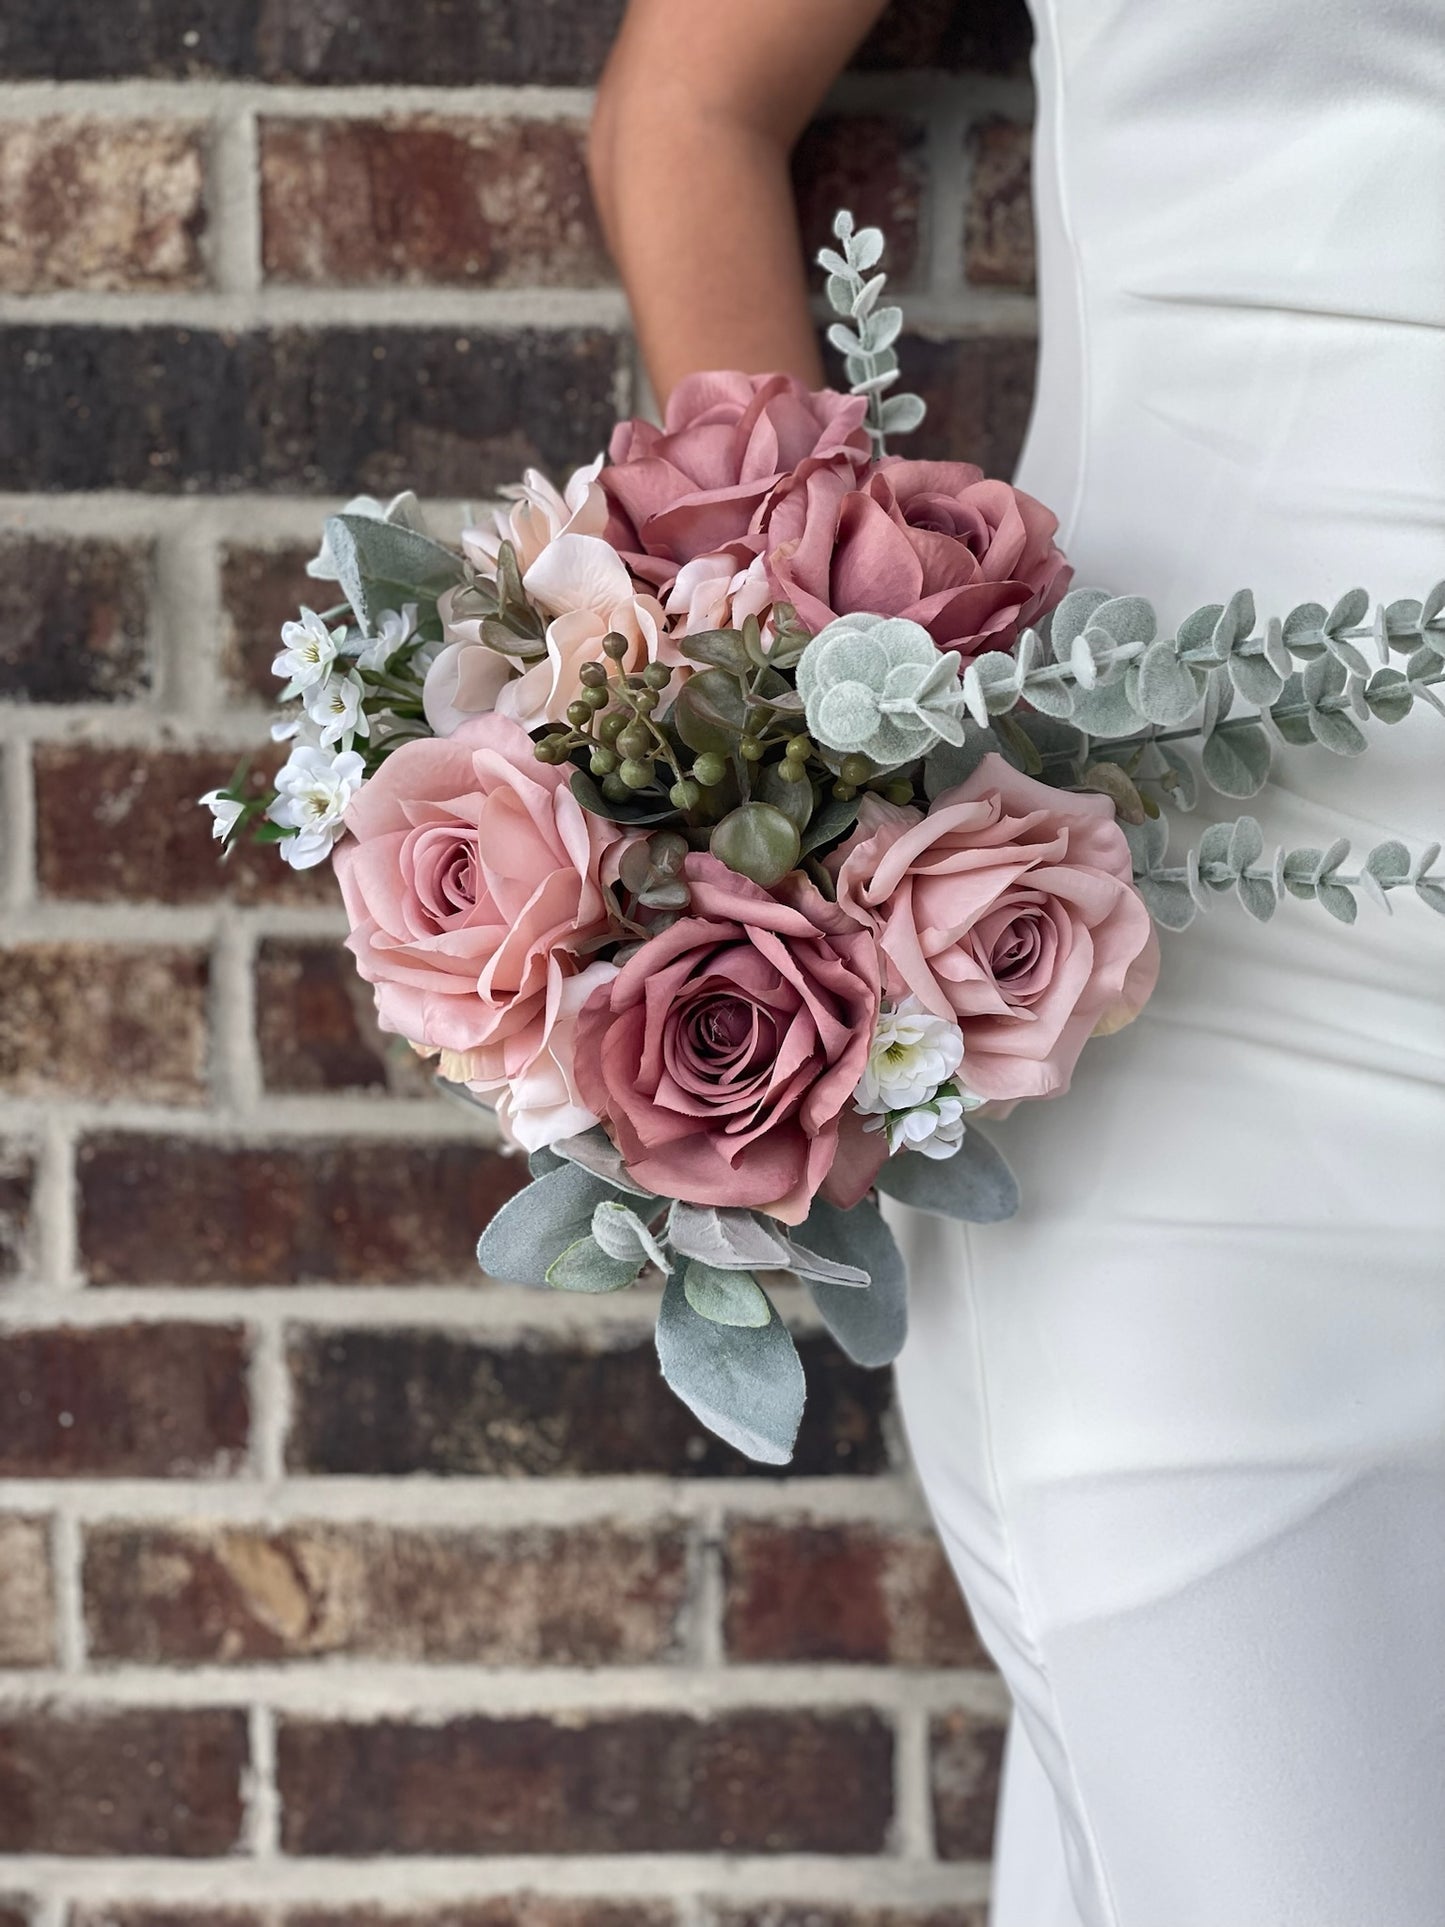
{"x":693,"y":486}
{"x":724,"y":1055}
{"x":537,"y":516}
{"x":1011,"y":909}
{"x":972,"y":560}
{"x":473,"y":882}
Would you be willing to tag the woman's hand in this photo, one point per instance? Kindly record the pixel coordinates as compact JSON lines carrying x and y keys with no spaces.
{"x":697,"y":113}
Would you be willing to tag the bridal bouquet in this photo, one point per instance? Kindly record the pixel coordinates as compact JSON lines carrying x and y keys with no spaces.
{"x":746,"y":820}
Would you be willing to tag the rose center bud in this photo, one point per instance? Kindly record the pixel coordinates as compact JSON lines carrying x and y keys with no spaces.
{"x":1019,"y":947}
{"x":943,"y":515}
{"x":718,"y":1038}
{"x":445,"y":871}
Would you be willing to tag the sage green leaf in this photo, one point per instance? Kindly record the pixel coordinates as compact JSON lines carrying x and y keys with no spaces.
{"x":1235,"y":621}
{"x":903,"y":413}
{"x":757,"y":841}
{"x":975,"y":1184}
{"x":795,"y":800}
{"x":638,"y":812}
{"x":709,"y":712}
{"x":1168,"y":692}
{"x":1169,"y":903}
{"x":947,"y":766}
{"x":618,"y":1230}
{"x":1304,"y":629}
{"x":1389,"y":861}
{"x":1072,"y":617}
{"x":1236,"y":761}
{"x":1184,"y":789}
{"x":1338,"y":732}
{"x":725,"y":1297}
{"x":870,"y":1324}
{"x":1148,"y":844}
{"x":744,"y":1383}
{"x":1389,"y":695}
{"x":720,"y":648}
{"x":596,"y":1152}
{"x":1198,"y":627}
{"x":1107,"y":779}
{"x":1256,"y":679}
{"x":833,"y":820}
{"x":825,"y":1250}
{"x":1339,"y":901}
{"x":1348,"y":613}
{"x":731,"y":1239}
{"x":536,"y":1226}
{"x":1106,"y":711}
{"x":543,"y":1160}
{"x":381,"y":565}
{"x":585,"y":1266}
{"x":1246,"y":843}
{"x":1324,"y":677}
{"x":1257,"y":896}
{"x":1301,"y":869}
{"x":1126,"y":619}
{"x":1431,"y":893}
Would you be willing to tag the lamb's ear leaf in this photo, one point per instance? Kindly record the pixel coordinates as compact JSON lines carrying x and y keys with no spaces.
{"x":869,"y":1323}
{"x":534,"y":1228}
{"x":725,"y":1297}
{"x":585,"y":1266}
{"x":540,"y":1162}
{"x":596,"y":1153}
{"x":731,"y":1239}
{"x":975,"y":1184}
{"x":744,"y":1383}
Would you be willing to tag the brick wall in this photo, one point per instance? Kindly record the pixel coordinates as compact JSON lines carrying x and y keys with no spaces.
{"x":337,"y":1583}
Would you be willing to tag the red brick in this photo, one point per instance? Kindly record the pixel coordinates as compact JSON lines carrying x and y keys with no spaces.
{"x":14,"y":1913}
{"x":979,"y":390}
{"x":116,"y":825}
{"x":397,"y":1402}
{"x":192,"y":1211}
{"x":966,"y":1755}
{"x":791,"y":1914}
{"x":144,"y":1782}
{"x":568,"y":1596}
{"x":17,"y":1187}
{"x":144,"y":1914}
{"x":963,"y":36}
{"x":316,"y":1025}
{"x":98,"y":1021}
{"x":843,"y":1592}
{"x":27,"y":1593}
{"x":73,"y":618}
{"x":421,"y":198}
{"x":123,"y":1401}
{"x":260,"y":589}
{"x":874,"y":166}
{"x":513,"y":1910}
{"x":998,"y":242}
{"x":97,"y":203}
{"x":746,"y":1782}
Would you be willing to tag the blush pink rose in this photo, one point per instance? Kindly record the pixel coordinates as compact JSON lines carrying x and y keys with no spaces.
{"x":1011,"y":909}
{"x":970,"y":559}
{"x":724,"y":1055}
{"x":694,"y":486}
{"x":474,"y":882}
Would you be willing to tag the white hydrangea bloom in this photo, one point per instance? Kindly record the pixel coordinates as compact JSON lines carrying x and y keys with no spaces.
{"x":224,"y":811}
{"x":335,"y":708}
{"x":912,"y":1053}
{"x":313,"y":789}
{"x":393,"y":628}
{"x":310,"y":650}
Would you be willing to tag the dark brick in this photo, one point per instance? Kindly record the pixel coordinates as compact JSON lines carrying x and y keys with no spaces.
{"x":790,"y":1914}
{"x":17,"y":1186}
{"x":748,"y":1782}
{"x":27,"y":1593}
{"x":979,"y":391}
{"x":998,"y":245}
{"x":15,"y":1913}
{"x":566,"y":1596}
{"x":512,"y":1910}
{"x":418,"y":198}
{"x":123,"y":1401}
{"x":95,"y":203}
{"x":974,"y":36}
{"x":857,"y":1592}
{"x":316,"y":1025}
{"x":102,"y":1020}
{"x":145,"y":1782}
{"x":327,"y":410}
{"x":188,"y":1211}
{"x":73,"y":618}
{"x":873,"y":165}
{"x":966,"y":1756}
{"x":398,"y":1402}
{"x":260,"y":589}
{"x":145,"y":1914}
{"x":117,"y":825}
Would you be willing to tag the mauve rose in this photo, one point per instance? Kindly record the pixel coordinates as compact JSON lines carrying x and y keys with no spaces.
{"x":473,"y":882}
{"x":1011,"y":909}
{"x":694,"y":486}
{"x":724,"y":1055}
{"x":970,"y":559}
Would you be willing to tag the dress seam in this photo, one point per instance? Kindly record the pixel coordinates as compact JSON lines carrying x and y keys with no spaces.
{"x":1069,"y":528}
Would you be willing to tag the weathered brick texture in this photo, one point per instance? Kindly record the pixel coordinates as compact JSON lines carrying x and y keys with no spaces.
{"x":318,"y":1548}
{"x":746,"y":1782}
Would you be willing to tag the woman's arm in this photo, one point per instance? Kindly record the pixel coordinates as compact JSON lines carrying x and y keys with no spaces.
{"x":696,"y":115}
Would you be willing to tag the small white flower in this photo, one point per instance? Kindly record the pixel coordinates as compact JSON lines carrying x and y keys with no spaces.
{"x":912,"y":1053}
{"x":401,"y":508}
{"x":296,"y":727}
{"x":311,"y":648}
{"x":936,"y":1129}
{"x":335,"y":708}
{"x":393,"y":628}
{"x":225,"y":810}
{"x":313,"y":789}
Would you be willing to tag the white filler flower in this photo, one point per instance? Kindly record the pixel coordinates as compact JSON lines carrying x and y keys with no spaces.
{"x":935,"y":1128}
{"x":313,"y":788}
{"x":912,"y":1053}
{"x":311,"y":648}
{"x":335,"y":707}
{"x":393,"y":628}
{"x":224,"y":811}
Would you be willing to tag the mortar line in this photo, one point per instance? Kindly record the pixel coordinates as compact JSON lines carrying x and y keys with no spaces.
{"x":270,"y":1391}
{"x":186,"y":621}
{"x":17,"y":825}
{"x":233,"y":234}
{"x":233,"y":1062}
{"x":67,"y":1563}
{"x":134,"y":97}
{"x":261,"y":1824}
{"x":912,"y":1790}
{"x":54,"y":1208}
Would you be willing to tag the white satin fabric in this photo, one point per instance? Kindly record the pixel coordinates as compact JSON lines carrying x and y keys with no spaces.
{"x":1182,"y":1423}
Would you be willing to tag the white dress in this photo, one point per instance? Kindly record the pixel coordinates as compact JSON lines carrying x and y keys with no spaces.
{"x":1182,"y":1422}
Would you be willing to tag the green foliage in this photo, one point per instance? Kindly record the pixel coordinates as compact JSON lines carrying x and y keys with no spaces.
{"x":866,"y":333}
{"x":975,"y":1184}
{"x":879,"y":686}
{"x":745,"y":1383}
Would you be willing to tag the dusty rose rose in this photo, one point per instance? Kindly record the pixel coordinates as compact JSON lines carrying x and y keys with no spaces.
{"x":693,"y":486}
{"x":473,"y":880}
{"x":724,"y":1055}
{"x":1011,"y":909}
{"x":970,"y":559}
